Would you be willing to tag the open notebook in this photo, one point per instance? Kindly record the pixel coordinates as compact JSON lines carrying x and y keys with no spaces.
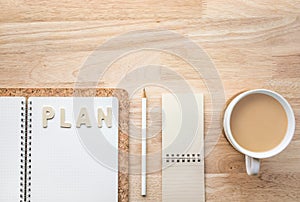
{"x":59,"y":149}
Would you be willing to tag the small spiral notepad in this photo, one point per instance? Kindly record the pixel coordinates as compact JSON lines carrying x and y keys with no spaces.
{"x":183,"y":148}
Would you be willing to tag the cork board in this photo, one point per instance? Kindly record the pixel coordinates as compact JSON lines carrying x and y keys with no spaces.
{"x":92,"y":92}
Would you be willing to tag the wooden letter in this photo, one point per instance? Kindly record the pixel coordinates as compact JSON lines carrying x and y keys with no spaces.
{"x":107,"y":119}
{"x":83,"y":118}
{"x":63,"y":123}
{"x":48,"y":113}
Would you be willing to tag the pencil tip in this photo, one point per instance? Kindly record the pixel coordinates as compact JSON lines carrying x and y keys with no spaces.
{"x":144,"y":93}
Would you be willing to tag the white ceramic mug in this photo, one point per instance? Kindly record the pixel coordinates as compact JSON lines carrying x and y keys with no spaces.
{"x":252,"y":159}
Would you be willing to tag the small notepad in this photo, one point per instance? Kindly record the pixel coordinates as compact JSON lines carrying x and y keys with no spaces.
{"x":182,"y":148}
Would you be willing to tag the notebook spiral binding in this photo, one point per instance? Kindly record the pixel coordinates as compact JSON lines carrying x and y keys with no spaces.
{"x":28,"y":149}
{"x":182,"y":158}
{"x":23,"y":152}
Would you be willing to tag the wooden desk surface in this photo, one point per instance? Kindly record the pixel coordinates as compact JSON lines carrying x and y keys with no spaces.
{"x":253,"y":44}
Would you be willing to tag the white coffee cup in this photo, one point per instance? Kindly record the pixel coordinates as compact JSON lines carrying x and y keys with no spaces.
{"x":252,"y":159}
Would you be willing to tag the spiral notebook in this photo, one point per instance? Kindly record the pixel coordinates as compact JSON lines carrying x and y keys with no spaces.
{"x":183,"y":148}
{"x":59,"y":149}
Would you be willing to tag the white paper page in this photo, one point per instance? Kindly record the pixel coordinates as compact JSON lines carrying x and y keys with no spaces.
{"x":65,"y":165}
{"x":10,"y":147}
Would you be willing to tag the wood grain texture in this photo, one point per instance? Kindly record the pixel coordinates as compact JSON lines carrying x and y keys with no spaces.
{"x":253,"y":44}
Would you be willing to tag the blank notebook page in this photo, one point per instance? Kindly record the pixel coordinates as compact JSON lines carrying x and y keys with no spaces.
{"x":11,"y":127}
{"x":64,"y":162}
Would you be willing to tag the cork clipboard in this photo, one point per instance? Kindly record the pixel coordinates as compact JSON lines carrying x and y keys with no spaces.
{"x":122,"y":95}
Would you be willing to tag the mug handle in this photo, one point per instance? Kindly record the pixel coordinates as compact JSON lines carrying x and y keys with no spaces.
{"x":252,"y":165}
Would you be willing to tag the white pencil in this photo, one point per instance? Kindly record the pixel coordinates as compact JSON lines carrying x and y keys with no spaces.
{"x":144,"y":142}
